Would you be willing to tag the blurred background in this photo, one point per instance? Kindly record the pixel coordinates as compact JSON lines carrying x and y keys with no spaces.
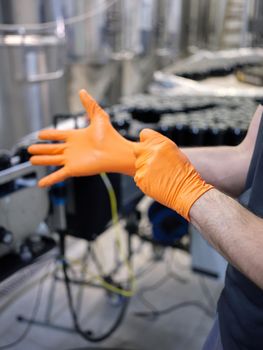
{"x":93,"y":260}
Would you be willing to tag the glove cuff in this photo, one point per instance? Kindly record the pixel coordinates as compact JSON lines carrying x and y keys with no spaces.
{"x":193,"y":196}
{"x":189,"y":192}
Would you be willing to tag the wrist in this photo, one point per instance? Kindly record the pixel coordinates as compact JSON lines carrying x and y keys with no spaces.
{"x":189,"y":192}
{"x":200,"y":206}
{"x":127,"y":158}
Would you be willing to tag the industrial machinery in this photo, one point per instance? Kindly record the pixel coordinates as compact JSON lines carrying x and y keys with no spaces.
{"x":82,"y":207}
{"x":172,"y":28}
{"x":252,"y":29}
{"x":48,"y":52}
{"x":32,"y":69}
{"x":23,"y":207}
{"x":52,"y":44}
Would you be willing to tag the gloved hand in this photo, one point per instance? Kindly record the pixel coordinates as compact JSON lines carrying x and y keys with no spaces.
{"x":83,"y":152}
{"x":164,"y":173}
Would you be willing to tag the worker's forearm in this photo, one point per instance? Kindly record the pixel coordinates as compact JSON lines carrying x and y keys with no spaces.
{"x":234,"y":231}
{"x":226,"y":167}
{"x":223,"y":167}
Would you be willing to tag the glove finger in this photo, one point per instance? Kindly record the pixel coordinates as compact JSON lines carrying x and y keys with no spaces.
{"x":140,"y":178}
{"x":138,"y":149}
{"x":58,"y":176}
{"x":148,"y":134}
{"x":54,"y":135}
{"x":139,"y":162}
{"x":91,"y":106}
{"x":57,"y":160}
{"x":47,"y":149}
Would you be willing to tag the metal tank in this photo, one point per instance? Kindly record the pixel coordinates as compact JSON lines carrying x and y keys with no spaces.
{"x":124,"y":28}
{"x":131,"y":27}
{"x":252,"y":33}
{"x":107,"y":42}
{"x":86,"y":31}
{"x":32,"y":56}
{"x":148,"y":26}
{"x":206,"y":23}
{"x":172,"y":27}
{"x":105,"y":29}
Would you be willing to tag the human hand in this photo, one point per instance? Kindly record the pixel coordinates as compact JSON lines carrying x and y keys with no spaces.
{"x":83,"y":152}
{"x":164,"y":173}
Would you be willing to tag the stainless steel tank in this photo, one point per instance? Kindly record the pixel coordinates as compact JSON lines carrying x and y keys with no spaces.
{"x":86,"y":31}
{"x":206,"y":23}
{"x":105,"y":29}
{"x":32,"y":82}
{"x":172,"y":27}
{"x":148,"y":26}
{"x":252,"y":34}
{"x":124,"y":28}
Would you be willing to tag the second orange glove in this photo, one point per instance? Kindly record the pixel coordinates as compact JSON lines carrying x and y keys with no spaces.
{"x":164,"y":173}
{"x":83,"y":152}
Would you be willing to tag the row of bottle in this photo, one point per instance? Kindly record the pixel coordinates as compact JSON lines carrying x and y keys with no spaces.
{"x":185,"y":134}
{"x":221,"y":66}
{"x":187,"y":121}
{"x":202,"y":135}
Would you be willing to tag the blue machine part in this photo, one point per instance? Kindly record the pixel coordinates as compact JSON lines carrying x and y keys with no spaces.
{"x":167,"y":225}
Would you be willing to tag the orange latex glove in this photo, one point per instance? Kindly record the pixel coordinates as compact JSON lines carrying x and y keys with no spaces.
{"x":83,"y":152}
{"x":164,"y":173}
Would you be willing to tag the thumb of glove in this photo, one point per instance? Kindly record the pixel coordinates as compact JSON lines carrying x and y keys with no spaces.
{"x":148,"y":134}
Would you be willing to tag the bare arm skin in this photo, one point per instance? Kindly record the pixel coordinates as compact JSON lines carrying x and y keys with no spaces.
{"x":234,"y":231}
{"x":226,"y":167}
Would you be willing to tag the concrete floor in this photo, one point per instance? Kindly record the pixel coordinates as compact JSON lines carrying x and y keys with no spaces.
{"x":183,"y":329}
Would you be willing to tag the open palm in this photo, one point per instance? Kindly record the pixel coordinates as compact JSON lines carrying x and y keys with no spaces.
{"x":83,"y":152}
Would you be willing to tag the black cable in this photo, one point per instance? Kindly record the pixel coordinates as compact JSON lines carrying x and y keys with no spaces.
{"x":156,"y":313}
{"x":120,"y":264}
{"x":143,"y":270}
{"x":30,"y":323}
{"x":147,"y":303}
{"x":170,"y":275}
{"x":154,"y":286}
{"x":87,"y":335}
{"x":151,"y":265}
